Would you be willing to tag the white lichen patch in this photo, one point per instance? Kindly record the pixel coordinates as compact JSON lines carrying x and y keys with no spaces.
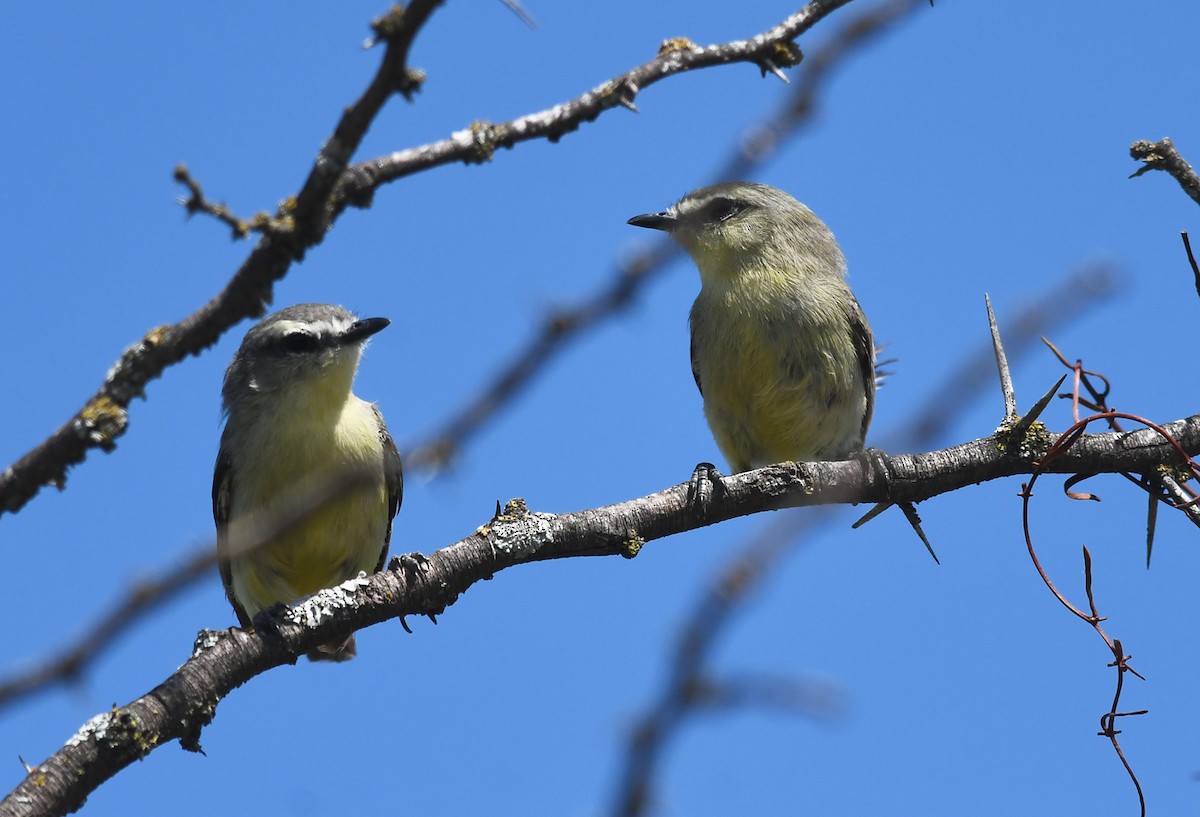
{"x":524,"y":535}
{"x":95,"y":729}
{"x":316,"y":608}
{"x":205,"y":640}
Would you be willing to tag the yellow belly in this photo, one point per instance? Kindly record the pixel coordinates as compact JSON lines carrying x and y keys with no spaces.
{"x":333,"y":544}
{"x":775,"y":389}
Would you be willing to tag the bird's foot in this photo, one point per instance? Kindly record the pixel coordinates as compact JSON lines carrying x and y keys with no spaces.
{"x":706,"y":485}
{"x":874,"y":462}
{"x":410,"y":563}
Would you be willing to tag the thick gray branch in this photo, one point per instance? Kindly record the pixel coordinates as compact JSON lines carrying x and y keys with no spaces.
{"x":179,"y":707}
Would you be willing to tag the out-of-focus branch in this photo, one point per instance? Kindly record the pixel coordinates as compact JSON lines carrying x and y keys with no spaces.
{"x":439,"y":449}
{"x":69,"y":664}
{"x":1163,"y":156}
{"x":762,"y":140}
{"x":104,"y":417}
{"x":559,"y":329}
{"x":179,"y":707}
{"x":747,"y":570}
{"x":810,"y":697}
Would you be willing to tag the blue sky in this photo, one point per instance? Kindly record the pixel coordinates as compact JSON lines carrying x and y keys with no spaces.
{"x":980,"y":147}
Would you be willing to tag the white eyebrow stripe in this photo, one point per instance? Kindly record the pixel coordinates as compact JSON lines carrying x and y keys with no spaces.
{"x":320,"y":327}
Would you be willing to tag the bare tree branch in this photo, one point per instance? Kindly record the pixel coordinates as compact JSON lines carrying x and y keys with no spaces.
{"x":478,"y":142}
{"x":1163,"y":156}
{"x":178,"y":708}
{"x":104,"y":417}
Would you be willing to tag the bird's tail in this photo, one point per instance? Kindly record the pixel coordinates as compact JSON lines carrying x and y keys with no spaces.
{"x":336,"y":651}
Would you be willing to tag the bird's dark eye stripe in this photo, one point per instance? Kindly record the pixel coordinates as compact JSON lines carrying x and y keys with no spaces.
{"x":723,"y":209}
{"x":299,"y":342}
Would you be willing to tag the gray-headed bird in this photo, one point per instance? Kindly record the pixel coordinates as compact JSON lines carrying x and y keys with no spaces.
{"x":781,"y":351}
{"x":293,"y":421}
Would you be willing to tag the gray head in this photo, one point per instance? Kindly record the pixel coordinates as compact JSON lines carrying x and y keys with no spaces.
{"x":299,"y":346}
{"x":734,"y":226}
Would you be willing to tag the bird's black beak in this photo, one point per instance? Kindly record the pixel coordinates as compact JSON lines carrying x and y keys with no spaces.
{"x":361,"y":330}
{"x":665,"y":221}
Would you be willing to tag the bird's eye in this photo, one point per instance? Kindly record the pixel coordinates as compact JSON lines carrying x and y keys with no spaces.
{"x":299,"y":342}
{"x":722,"y":209}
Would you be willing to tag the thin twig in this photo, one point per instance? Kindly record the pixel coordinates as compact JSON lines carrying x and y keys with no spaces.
{"x":479,"y":141}
{"x":1162,"y":485}
{"x":1092,"y":617}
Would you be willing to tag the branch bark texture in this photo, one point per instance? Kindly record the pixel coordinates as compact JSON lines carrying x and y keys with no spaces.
{"x":179,"y":707}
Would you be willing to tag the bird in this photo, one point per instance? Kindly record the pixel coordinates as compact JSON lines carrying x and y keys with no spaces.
{"x":781,"y":351}
{"x":293,"y":420}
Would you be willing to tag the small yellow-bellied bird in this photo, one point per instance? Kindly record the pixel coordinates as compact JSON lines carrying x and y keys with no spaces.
{"x":781,"y":351}
{"x":292,"y":420}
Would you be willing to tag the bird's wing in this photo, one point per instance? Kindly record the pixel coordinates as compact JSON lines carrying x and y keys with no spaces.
{"x":393,"y":474}
{"x":864,"y":347}
{"x":695,"y":367}
{"x":222,"y":499}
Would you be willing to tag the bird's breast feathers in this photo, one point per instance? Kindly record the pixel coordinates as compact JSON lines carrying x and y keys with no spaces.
{"x":778,"y":384}
{"x":333,"y":543}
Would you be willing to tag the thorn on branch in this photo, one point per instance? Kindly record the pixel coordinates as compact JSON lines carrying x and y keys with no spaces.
{"x":1028,"y":438}
{"x":910,"y":513}
{"x":1006,"y":383}
{"x":871,"y":514}
{"x":516,"y":8}
{"x":1151,"y":515}
{"x":1187,"y":245}
{"x":625,"y":93}
{"x":766,"y":65}
{"x":785,"y":54}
